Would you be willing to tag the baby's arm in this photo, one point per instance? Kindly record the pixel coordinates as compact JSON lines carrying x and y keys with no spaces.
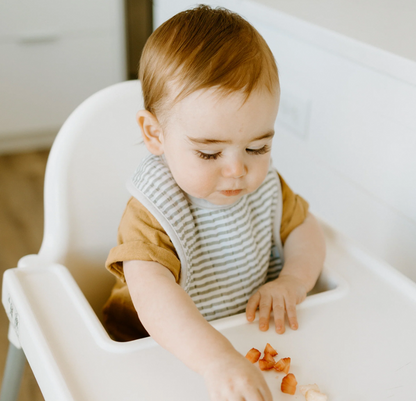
{"x":173,"y":320}
{"x":304,"y":254}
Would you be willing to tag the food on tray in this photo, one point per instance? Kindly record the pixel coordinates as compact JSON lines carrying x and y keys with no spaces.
{"x":289,"y":383}
{"x":266,"y":364}
{"x":269,"y":358}
{"x":303,"y":389}
{"x":253,"y":355}
{"x":313,"y":395}
{"x":282,"y":365}
{"x":270,"y":350}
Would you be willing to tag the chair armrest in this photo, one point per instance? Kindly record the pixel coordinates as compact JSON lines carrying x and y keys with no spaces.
{"x":32,"y":261}
{"x":41,"y":302}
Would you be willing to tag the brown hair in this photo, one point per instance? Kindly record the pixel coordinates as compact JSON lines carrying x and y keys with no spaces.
{"x":203,"y":48}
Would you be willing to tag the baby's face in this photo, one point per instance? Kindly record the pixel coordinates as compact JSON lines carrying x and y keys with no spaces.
{"x":217,"y":148}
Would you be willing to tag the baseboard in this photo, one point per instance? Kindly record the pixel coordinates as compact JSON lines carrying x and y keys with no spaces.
{"x":26,"y":142}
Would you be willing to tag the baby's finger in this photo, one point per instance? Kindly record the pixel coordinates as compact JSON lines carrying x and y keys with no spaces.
{"x":292,"y":315}
{"x":252,"y":394}
{"x":264,"y":312}
{"x":266,"y":394}
{"x":252,"y":305}
{"x":279,"y":314}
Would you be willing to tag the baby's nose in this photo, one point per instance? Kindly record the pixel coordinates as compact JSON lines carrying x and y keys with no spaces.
{"x":234,"y":168}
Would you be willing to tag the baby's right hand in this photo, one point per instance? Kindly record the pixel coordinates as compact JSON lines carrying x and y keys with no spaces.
{"x":234,"y":378}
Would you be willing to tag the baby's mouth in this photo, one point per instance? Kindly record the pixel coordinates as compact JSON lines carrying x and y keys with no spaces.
{"x":231,"y":192}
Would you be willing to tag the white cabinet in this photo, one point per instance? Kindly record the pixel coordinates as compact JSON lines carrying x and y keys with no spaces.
{"x":53,"y":55}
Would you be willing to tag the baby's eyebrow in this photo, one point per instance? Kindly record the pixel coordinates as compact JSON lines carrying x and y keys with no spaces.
{"x":269,"y":134}
{"x":207,"y":141}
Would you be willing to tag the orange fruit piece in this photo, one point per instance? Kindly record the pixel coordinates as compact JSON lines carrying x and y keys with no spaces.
{"x":266,"y":364}
{"x":269,"y":358}
{"x":253,"y":355}
{"x":289,"y":383}
{"x":270,"y":350}
{"x":282,"y":365}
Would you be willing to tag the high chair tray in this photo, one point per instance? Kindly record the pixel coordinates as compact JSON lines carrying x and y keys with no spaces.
{"x":355,"y":340}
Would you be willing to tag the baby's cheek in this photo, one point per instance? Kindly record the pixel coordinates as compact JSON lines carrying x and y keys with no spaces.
{"x":257,"y":178}
{"x":202,"y":185}
{"x":196,"y":181}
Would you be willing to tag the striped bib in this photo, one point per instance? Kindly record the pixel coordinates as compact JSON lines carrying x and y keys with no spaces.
{"x":226,"y":252}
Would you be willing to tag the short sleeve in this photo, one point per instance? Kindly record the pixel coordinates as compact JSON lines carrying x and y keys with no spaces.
{"x":141,"y":237}
{"x":295,"y":210}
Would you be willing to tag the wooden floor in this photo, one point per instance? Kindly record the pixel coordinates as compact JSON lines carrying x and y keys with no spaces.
{"x":21,"y":229}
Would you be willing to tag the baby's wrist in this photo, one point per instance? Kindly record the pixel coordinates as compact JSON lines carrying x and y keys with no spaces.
{"x":218,"y":361}
{"x":300,"y":282}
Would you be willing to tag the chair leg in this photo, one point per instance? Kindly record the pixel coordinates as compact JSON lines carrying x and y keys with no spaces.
{"x":13,"y":373}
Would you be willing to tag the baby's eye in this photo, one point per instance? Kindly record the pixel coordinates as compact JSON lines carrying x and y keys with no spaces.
{"x":260,"y":151}
{"x":208,"y":156}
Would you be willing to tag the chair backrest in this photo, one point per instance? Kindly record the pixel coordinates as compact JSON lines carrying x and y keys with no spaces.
{"x":95,"y":152}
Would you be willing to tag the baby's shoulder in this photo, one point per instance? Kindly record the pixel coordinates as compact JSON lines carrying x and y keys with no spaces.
{"x":136,"y":211}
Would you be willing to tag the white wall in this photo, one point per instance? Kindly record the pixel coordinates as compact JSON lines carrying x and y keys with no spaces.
{"x":346,"y":129}
{"x":385,"y":24}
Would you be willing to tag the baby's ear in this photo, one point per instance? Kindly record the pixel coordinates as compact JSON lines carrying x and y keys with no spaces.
{"x":151,"y":131}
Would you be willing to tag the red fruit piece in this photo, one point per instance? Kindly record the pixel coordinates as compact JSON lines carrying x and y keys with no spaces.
{"x":269,"y":358}
{"x":282,"y":365}
{"x":253,"y":355}
{"x":289,"y":383}
{"x":270,"y":350}
{"x":266,"y":364}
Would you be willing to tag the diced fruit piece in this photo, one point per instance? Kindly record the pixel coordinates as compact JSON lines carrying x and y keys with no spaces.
{"x":283,"y":365}
{"x":289,"y":384}
{"x":270,"y":350}
{"x":266,"y":364}
{"x":313,"y":395}
{"x":253,"y":355}
{"x":269,"y":358}
{"x":303,"y":389}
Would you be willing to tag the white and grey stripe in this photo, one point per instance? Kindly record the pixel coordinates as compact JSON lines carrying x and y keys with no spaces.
{"x":228,"y":252}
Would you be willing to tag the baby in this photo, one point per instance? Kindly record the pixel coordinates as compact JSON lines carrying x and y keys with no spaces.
{"x":211,"y":229}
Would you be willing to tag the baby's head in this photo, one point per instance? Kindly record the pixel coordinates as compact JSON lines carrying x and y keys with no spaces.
{"x":204,"y":48}
{"x":211,"y":93}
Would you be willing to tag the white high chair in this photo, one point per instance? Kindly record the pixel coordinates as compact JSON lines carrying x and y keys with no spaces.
{"x":95,"y":151}
{"x":356,"y":332}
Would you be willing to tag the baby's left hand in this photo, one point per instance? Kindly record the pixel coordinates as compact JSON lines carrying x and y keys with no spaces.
{"x":281,"y":295}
